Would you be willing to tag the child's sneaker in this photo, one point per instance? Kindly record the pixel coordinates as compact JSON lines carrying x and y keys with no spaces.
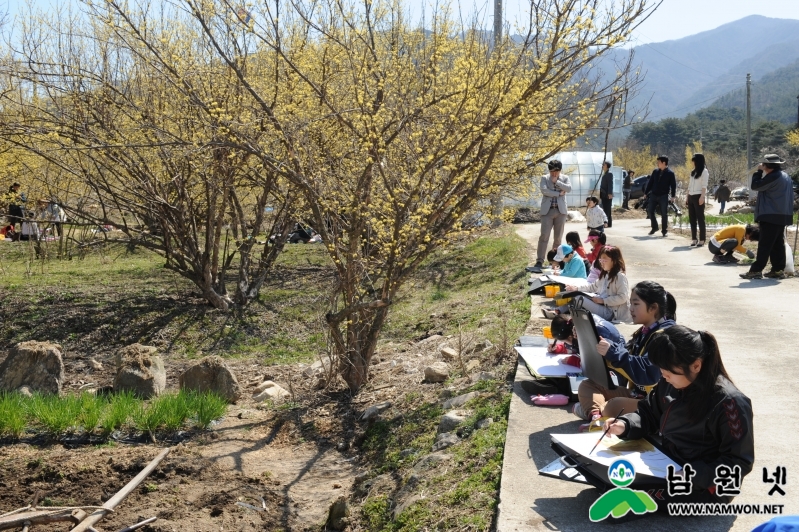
{"x":555,"y":399}
{"x":577,"y":410}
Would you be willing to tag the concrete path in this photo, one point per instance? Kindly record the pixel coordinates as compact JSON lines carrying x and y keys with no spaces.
{"x":757,"y":325}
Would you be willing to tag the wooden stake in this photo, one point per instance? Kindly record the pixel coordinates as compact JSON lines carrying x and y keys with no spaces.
{"x":114,"y":501}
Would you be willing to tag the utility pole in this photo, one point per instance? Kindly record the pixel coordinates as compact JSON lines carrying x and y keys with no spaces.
{"x":749,"y":131}
{"x":496,"y":201}
{"x":797,"y":113}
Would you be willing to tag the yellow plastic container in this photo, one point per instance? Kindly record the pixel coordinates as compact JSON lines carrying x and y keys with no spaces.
{"x":561,"y":302}
{"x":548,"y":333}
{"x":550,"y":290}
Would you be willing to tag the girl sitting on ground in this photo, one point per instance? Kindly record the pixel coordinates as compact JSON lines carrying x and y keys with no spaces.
{"x":652,"y":307}
{"x":597,"y":241}
{"x":731,"y":239}
{"x":612,"y":301}
{"x":573,"y":239}
{"x":704,"y":420}
{"x":573,"y":265}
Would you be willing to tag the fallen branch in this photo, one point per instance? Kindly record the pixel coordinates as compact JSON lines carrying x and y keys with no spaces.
{"x":138,"y":525}
{"x":114,"y":501}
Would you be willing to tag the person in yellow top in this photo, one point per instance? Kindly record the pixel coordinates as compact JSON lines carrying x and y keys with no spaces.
{"x":730,"y":239}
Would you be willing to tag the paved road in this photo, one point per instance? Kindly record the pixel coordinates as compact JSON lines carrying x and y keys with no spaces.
{"x":757,"y":325}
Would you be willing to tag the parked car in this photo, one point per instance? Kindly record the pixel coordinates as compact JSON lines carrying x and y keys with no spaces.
{"x":637,"y":188}
{"x":740,"y":193}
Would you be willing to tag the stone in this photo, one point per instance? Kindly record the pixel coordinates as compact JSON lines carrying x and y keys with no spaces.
{"x":211,"y":374}
{"x":473,"y":365}
{"x":461,"y":400}
{"x":430,"y":339}
{"x":575,"y":216}
{"x":25,"y":391}
{"x":374,"y":411}
{"x":338,"y":514}
{"x":482,"y":346}
{"x":746,"y":210}
{"x":448,"y":439}
{"x":448,"y":354}
{"x":404,"y":505}
{"x":452,"y":420}
{"x":483,"y":423}
{"x":140,"y":370}
{"x":96,"y":366}
{"x":436,"y":372}
{"x":405,"y":453}
{"x":272,"y":391}
{"x":431,"y":460}
{"x":268,"y":383}
{"x":482,"y":376}
{"x":446,"y":393}
{"x":37,"y":365}
{"x":320,"y":367}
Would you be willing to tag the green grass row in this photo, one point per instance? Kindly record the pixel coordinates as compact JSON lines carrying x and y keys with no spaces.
{"x":92,"y":415}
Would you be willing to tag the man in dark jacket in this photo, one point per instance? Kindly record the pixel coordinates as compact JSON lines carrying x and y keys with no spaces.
{"x":773,"y":212}
{"x":723,"y":195}
{"x":661,"y":187}
{"x":606,"y":192}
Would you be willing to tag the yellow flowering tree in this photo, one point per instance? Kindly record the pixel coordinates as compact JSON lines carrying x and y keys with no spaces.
{"x":391,"y":134}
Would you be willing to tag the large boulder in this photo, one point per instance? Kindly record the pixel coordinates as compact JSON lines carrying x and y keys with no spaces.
{"x":211,"y":374}
{"x":436,"y":372}
{"x":140,"y":370}
{"x":35,"y":365}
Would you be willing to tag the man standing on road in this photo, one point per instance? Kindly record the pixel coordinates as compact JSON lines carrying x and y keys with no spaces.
{"x":661,"y":187}
{"x":627,"y":188}
{"x":773,"y":212}
{"x":553,"y":208}
{"x":606,"y":192}
{"x":723,"y":195}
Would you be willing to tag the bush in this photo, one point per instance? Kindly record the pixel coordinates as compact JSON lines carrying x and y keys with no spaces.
{"x":207,"y":407}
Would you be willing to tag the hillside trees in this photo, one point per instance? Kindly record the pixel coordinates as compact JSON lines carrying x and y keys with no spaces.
{"x":390,"y":135}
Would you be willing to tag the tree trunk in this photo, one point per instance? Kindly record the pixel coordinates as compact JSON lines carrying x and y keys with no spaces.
{"x":355,"y":345}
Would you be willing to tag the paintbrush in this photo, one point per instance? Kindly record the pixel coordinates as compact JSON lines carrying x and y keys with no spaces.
{"x":606,"y":431}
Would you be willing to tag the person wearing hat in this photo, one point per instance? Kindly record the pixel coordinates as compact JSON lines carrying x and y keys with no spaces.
{"x":773,"y":213}
{"x":574,"y":266}
{"x":554,"y":188}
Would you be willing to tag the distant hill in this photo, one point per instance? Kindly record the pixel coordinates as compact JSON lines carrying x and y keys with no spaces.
{"x":773,"y":96}
{"x":686,"y":74}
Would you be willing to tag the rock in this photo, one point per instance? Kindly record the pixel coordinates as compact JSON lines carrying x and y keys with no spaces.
{"x":473,"y":365}
{"x":452,"y":420}
{"x":272,"y":391}
{"x":482,"y":376}
{"x":405,"y":453}
{"x":337,"y":516}
{"x":268,"y":383}
{"x":320,"y":384}
{"x":448,"y":354}
{"x":481,"y":346}
{"x":140,"y":371}
{"x":25,"y":391}
{"x":483,"y":423}
{"x":461,"y":400}
{"x":430,"y":339}
{"x":436,"y":372}
{"x":404,"y":505}
{"x":320,"y":367}
{"x":445,"y":440}
{"x":211,"y":374}
{"x":96,"y":366}
{"x":431,"y":460}
{"x":446,"y":393}
{"x":746,"y":210}
{"x":36,"y":365}
{"x":342,"y":446}
{"x":375,"y":410}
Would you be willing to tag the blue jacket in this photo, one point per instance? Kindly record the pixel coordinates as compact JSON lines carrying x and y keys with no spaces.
{"x":632,"y":359}
{"x":575,"y":268}
{"x":608,"y":331}
{"x":774,"y":197}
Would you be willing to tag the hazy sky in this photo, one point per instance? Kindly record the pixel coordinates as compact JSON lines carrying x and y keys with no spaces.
{"x":672,"y":20}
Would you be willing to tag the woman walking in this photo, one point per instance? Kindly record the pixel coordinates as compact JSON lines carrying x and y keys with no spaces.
{"x":697,"y":188}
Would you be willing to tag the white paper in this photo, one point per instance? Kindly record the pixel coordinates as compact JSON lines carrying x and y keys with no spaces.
{"x":645,"y":458}
{"x":545,"y":364}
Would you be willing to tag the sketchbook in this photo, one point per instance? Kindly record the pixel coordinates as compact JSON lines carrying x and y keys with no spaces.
{"x":642,"y":455}
{"x":573,"y":293}
{"x":542,"y":363}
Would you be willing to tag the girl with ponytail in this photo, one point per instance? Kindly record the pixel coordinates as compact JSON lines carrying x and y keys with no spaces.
{"x":704,"y":420}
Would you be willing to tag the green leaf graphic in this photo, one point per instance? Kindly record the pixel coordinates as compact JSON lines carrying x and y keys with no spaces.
{"x":617,"y":502}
